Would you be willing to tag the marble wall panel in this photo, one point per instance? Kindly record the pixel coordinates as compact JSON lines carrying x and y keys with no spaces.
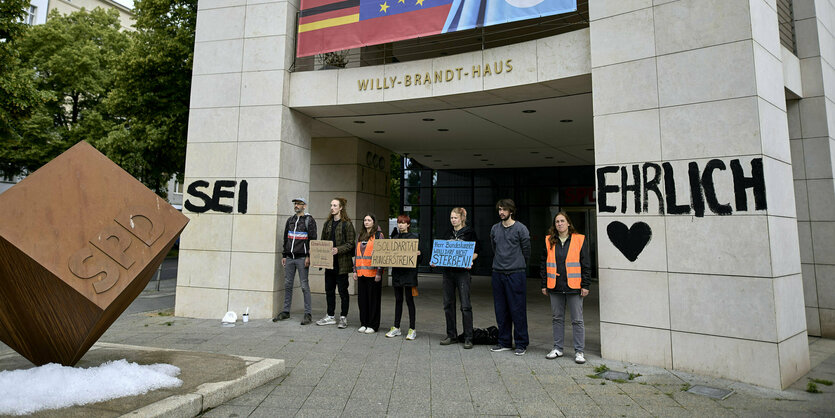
{"x":203,"y":268}
{"x":256,"y":233}
{"x":258,"y":159}
{"x":825,"y":281}
{"x":735,"y":362}
{"x":692,"y":24}
{"x":600,"y":9}
{"x":821,"y":199}
{"x":294,"y":163}
{"x":788,"y":302}
{"x":256,"y":271}
{"x":625,"y":87}
{"x":562,"y":56}
{"x":524,"y":65}
{"x":270,"y":19}
{"x":625,"y":37}
{"x":208,"y":232}
{"x":628,"y":137}
{"x":220,"y":24}
{"x":785,"y":246}
{"x":267,"y":53}
{"x":212,"y":159}
{"x":653,"y":257}
{"x":648,"y":288}
{"x":261,"y":304}
{"x":215,"y":90}
{"x":794,"y":358}
{"x":217,"y":57}
{"x":264,"y":88}
{"x":650,"y":346}
{"x":201,"y":302}
{"x":313,"y":88}
{"x":218,"y":124}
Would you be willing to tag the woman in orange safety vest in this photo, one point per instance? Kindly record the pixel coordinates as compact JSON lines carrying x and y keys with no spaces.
{"x":369,"y":279}
{"x":566,"y":276}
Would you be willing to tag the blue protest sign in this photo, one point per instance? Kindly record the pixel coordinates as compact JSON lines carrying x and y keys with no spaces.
{"x":452,"y":253}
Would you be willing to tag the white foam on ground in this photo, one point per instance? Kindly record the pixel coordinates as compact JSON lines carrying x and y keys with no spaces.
{"x":54,"y":386}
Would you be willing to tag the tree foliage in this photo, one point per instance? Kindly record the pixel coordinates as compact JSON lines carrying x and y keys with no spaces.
{"x":125,"y":92}
{"x":19,"y":95}
{"x":153,"y":80}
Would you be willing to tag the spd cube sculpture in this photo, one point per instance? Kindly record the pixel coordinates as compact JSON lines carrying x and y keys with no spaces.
{"x":79,"y":240}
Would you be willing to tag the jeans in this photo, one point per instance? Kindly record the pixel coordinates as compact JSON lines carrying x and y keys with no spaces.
{"x":510,"y":303}
{"x":398,"y":305}
{"x":332,"y":280}
{"x":291,"y":266}
{"x":460,"y":280}
{"x":575,"y":308}
{"x":368,"y":300}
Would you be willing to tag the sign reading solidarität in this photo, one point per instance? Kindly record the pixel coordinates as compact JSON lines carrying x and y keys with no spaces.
{"x":452,"y":253}
{"x":394,"y":253}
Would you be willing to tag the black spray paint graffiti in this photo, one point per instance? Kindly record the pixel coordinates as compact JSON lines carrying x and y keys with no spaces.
{"x":658,"y":181}
{"x":630,"y":241}
{"x":220,"y":191}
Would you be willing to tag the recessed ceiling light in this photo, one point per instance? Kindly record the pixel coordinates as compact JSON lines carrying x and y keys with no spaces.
{"x":476,"y":155}
{"x":589,"y":149}
{"x":529,"y":111}
{"x":561,"y":162}
{"x":359,"y":121}
{"x":446,"y":165}
{"x":491,"y":164}
{"x":428,"y":119}
{"x":549,"y":158}
{"x":443,"y":130}
{"x":567,"y":120}
{"x":427,"y":155}
{"x":437,"y":161}
{"x":379,"y":132}
{"x":484,"y":159}
{"x":534,"y":152}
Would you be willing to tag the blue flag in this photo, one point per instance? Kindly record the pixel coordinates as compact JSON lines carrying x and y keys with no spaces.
{"x":468,"y":14}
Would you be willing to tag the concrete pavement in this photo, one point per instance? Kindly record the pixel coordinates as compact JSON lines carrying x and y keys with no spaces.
{"x":332,"y":372}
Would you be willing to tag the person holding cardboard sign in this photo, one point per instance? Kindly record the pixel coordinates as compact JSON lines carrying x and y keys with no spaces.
{"x":339,"y":229}
{"x":404,"y":281}
{"x":369,"y":279}
{"x":458,"y":279}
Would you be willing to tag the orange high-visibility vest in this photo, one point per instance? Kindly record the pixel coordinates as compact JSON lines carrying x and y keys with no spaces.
{"x":363,"y":260}
{"x":572,"y":262}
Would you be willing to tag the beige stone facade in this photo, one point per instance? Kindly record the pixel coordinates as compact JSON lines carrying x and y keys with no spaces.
{"x":720,"y":136}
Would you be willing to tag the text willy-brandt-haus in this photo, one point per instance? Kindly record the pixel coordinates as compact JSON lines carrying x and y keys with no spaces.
{"x":691,"y":141}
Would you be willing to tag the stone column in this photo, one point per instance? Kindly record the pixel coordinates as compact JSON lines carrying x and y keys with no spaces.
{"x":240,"y":130}
{"x":812,"y":130}
{"x":695,"y":89}
{"x":356,"y":170}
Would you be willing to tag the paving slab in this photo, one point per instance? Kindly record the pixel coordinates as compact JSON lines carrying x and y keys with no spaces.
{"x":209,"y":380}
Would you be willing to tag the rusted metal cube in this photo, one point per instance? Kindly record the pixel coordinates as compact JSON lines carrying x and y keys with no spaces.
{"x":79,"y":240}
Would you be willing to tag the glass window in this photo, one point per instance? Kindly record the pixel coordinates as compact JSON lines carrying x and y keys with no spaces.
{"x":453,"y":178}
{"x":454,"y":197}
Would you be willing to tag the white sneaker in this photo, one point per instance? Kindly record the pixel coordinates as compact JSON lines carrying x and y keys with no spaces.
{"x":327,"y":320}
{"x":411,"y":335}
{"x":369,"y":330}
{"x":553,"y":354}
{"x":579,"y":358}
{"x":393,"y":332}
{"x":361,"y":329}
{"x":343,"y":322}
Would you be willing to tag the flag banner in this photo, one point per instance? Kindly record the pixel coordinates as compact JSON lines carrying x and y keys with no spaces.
{"x":333,"y":25}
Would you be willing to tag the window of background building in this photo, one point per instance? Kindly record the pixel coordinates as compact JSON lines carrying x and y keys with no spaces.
{"x":31,"y":14}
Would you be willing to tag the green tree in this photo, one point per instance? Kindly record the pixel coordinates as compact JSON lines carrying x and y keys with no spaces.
{"x":153,"y":83}
{"x":19,"y":95}
{"x":72,"y":57}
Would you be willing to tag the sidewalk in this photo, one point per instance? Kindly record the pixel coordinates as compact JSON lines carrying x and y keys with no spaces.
{"x":332,"y":372}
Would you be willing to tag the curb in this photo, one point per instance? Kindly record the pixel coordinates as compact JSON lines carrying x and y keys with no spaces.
{"x":210,"y":395}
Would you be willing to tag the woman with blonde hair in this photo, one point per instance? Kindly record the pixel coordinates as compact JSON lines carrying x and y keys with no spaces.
{"x":459,"y":279}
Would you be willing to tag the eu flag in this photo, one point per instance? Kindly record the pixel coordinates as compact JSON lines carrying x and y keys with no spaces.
{"x":468,"y":14}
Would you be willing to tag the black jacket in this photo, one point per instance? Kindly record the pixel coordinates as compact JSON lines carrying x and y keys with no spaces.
{"x":401,"y":276}
{"x":298,"y":231}
{"x":560,"y":252}
{"x":464,"y":234}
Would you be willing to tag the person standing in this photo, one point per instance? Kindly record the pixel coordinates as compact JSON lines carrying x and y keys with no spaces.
{"x":455,"y":278}
{"x":369,"y":279}
{"x":511,"y":248}
{"x":339,"y":229}
{"x":404,"y":282}
{"x":566,"y":276}
{"x":298,"y":231}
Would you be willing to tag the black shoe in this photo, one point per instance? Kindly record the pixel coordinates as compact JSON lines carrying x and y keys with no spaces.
{"x":498,"y":347}
{"x":468,"y":344}
{"x":307,"y":319}
{"x":282,"y":316}
{"x":448,"y":341}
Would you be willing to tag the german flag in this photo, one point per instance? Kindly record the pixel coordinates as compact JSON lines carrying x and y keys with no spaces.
{"x":332,"y":25}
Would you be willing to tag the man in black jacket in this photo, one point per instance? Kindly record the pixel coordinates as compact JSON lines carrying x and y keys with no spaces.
{"x":298,"y":231}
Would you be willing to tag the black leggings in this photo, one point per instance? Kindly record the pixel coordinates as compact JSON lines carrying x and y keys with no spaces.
{"x":398,"y":305}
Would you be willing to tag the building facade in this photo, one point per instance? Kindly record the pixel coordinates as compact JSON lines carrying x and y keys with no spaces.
{"x":695,"y":135}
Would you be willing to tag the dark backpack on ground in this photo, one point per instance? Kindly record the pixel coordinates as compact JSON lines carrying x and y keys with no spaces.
{"x":482,"y":336}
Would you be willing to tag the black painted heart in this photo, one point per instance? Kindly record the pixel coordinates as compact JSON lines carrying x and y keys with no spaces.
{"x":630,"y":241}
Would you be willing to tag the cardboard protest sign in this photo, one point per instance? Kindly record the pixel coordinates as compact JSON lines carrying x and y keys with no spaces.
{"x":452,"y":253}
{"x":394,"y":253}
{"x":320,"y":253}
